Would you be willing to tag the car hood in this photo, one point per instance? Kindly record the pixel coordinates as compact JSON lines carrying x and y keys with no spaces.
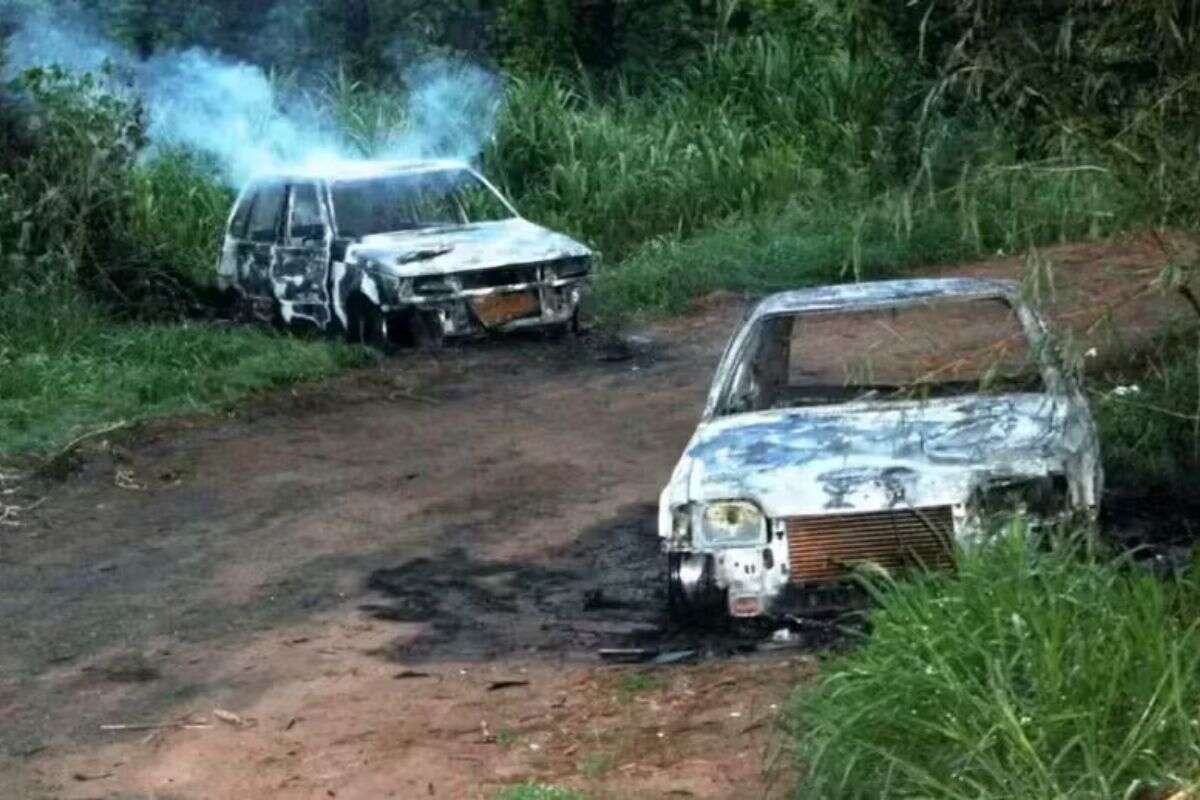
{"x":479,"y":246}
{"x":873,"y":455}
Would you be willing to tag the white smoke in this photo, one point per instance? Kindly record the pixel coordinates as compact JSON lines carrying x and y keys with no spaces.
{"x":233,"y":111}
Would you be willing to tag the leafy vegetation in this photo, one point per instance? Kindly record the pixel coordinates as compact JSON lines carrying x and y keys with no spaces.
{"x":1060,"y":674}
{"x":1147,"y":408}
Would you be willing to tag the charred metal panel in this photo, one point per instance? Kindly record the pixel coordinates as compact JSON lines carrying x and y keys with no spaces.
{"x":446,"y":271}
{"x":837,"y":464}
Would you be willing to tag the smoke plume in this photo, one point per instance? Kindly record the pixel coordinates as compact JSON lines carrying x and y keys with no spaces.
{"x":236,"y":113}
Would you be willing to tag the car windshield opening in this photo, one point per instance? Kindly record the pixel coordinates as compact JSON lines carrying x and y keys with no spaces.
{"x":938,"y":349}
{"x":412,"y":201}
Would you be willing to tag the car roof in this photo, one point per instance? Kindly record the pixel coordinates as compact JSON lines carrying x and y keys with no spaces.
{"x":352,"y":169}
{"x":885,"y":294}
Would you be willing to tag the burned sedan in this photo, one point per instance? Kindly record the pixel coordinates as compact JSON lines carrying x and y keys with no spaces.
{"x":876,"y":422}
{"x":397,"y":252}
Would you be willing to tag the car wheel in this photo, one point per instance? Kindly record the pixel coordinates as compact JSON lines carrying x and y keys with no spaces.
{"x":426,"y":330}
{"x":242,"y":308}
{"x":277,"y":320}
{"x":561,"y":330}
{"x":692,"y":593}
{"x":368,"y":326}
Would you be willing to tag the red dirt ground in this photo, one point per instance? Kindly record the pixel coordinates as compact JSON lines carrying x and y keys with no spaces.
{"x":221,"y":562}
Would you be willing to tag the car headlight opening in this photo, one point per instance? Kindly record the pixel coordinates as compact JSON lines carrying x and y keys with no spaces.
{"x":1044,"y":497}
{"x":733,"y":522}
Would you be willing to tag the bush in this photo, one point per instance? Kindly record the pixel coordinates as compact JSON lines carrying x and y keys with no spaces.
{"x":93,"y":238}
{"x":1059,"y":674}
{"x":64,"y":172}
{"x":993,"y":206}
{"x":1147,"y":413}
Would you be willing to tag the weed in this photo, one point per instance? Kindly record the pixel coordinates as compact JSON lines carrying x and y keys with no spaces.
{"x":1148,"y":411}
{"x":92,"y":371}
{"x":635,"y":683}
{"x":991,"y":683}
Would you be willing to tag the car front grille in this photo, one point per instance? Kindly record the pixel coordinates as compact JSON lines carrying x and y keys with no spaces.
{"x":825,"y":548}
{"x":494,"y":278}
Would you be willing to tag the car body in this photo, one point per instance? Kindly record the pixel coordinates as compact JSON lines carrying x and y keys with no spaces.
{"x":385,"y":251}
{"x":795,"y":475}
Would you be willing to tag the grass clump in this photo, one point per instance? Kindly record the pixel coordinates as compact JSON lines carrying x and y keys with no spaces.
{"x":634,"y":683}
{"x":1148,"y":412}
{"x":96,"y":372}
{"x":809,"y":242}
{"x":1029,"y":674}
{"x":538,"y":791}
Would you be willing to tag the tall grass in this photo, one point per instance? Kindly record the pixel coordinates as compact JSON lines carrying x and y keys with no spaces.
{"x":1148,"y":410}
{"x":992,"y":207}
{"x":745,"y":127}
{"x":178,"y":212}
{"x":1053,"y":675}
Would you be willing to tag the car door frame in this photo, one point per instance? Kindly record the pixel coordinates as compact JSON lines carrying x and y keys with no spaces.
{"x":300,"y":272}
{"x":257,"y":282}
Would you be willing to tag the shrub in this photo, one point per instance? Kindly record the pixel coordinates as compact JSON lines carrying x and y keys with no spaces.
{"x":1147,"y":411}
{"x":1056,"y":674}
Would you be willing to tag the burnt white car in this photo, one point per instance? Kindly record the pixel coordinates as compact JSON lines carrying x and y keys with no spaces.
{"x":875,"y":422}
{"x":392,"y":252}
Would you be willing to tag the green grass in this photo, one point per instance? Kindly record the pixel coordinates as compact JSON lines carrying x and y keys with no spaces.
{"x":104,"y":372}
{"x":1148,"y":411}
{"x":631,"y":684}
{"x":890,"y":235}
{"x":1055,"y":675}
{"x":538,"y":791}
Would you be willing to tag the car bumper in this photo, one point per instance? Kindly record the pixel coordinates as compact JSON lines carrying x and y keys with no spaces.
{"x":503,"y":309}
{"x":796,"y":570}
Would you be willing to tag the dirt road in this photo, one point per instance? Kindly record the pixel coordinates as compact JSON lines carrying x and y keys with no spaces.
{"x":396,"y":583}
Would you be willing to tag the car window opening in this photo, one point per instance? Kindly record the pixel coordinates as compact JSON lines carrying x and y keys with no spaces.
{"x":428,"y":199}
{"x":931,"y":350}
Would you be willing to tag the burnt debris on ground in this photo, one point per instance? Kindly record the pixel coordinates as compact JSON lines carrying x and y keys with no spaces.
{"x":603,"y":597}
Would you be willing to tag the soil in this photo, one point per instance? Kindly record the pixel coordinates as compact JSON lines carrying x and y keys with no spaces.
{"x":397,"y":583}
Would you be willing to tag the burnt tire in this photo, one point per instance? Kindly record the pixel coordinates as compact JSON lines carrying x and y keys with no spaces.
{"x":241,"y":308}
{"x":368,"y":326}
{"x":426,"y":330}
{"x":562,"y":330}
{"x":693,"y":598}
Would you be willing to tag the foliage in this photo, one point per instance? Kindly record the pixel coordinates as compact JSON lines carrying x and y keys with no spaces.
{"x":1029,"y":674}
{"x":178,"y":212}
{"x":1148,"y":411}
{"x":65,"y":167}
{"x":1000,"y":206}
{"x":85,"y":371}
{"x":91,"y":234}
{"x":742,"y":128}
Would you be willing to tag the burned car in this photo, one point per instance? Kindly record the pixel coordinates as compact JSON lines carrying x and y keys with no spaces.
{"x":875,"y":422}
{"x":397,"y":252}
